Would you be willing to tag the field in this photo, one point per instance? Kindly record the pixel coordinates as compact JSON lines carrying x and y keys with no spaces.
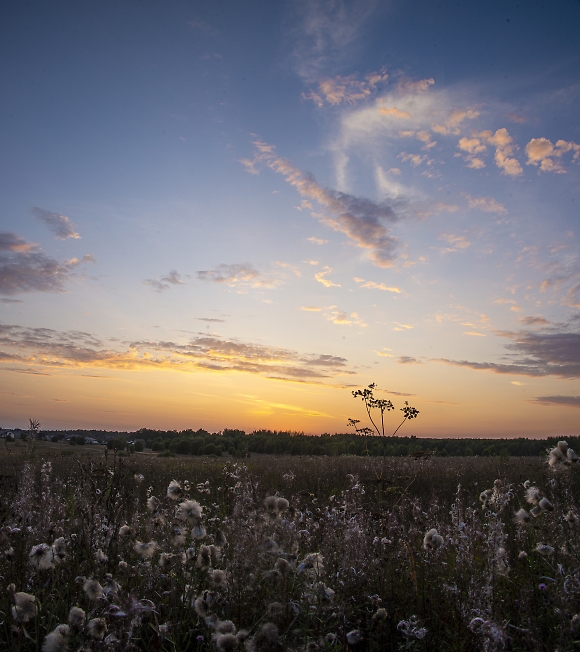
{"x":286,"y":553}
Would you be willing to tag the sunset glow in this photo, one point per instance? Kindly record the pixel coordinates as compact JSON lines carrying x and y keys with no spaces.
{"x":234,"y":215}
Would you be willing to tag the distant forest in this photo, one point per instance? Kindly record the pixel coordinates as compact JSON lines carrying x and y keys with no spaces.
{"x":240,"y":444}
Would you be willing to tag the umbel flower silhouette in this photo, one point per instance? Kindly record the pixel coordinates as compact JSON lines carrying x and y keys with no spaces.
{"x":373,"y":404}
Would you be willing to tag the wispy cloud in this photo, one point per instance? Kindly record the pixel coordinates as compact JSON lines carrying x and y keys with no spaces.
{"x":485,"y":204}
{"x":371,"y":285}
{"x":534,"y":354}
{"x":360,"y":219}
{"x":557,"y":401}
{"x":325,"y":34}
{"x":166,"y":281}
{"x":24,"y":267}
{"x":37,"y":349}
{"x":317,"y":240}
{"x":348,"y":90}
{"x":341,"y":318}
{"x":321,"y":278}
{"x":407,"y":359}
{"x":59,"y":224}
{"x":238,"y":275}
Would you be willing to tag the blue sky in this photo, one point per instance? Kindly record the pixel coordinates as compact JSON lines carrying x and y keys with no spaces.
{"x":231,"y":214}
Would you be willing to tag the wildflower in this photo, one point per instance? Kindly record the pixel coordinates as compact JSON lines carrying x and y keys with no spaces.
{"x":226,"y":642}
{"x":59,"y":549}
{"x":283,"y":566}
{"x":545,"y":505}
{"x":354,"y":637}
{"x":153,"y":504}
{"x":93,"y":589}
{"x":432,"y":540}
{"x":198,"y":532}
{"x":542,"y":586}
{"x":24,"y":608}
{"x":41,"y":556}
{"x":56,"y":640}
{"x":521,"y":516}
{"x":123,"y":565}
{"x":174,"y":490}
{"x":411,"y":629}
{"x":76,"y":617}
{"x":571,"y":517}
{"x":533,"y":495}
{"x":125,"y":531}
{"x":190,"y":511}
{"x":544,"y":549}
{"x":97,"y":628}
{"x":145,"y":550}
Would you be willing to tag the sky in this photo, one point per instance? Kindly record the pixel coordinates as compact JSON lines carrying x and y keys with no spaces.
{"x":232,"y":214}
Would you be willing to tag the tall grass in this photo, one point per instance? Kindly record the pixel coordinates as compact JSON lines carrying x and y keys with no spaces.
{"x":345,"y":564}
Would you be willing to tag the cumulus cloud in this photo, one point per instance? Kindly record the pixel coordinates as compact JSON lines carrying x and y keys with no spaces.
{"x":59,"y":224}
{"x":238,"y":275}
{"x":541,"y":152}
{"x":165,"y":282}
{"x":486,"y":204}
{"x":558,"y":401}
{"x":345,"y":90}
{"x":361,"y":220}
{"x":24,"y":267}
{"x":504,"y":150}
{"x":371,"y":285}
{"x":454,"y":120}
{"x":534,"y":354}
{"x":43,"y":348}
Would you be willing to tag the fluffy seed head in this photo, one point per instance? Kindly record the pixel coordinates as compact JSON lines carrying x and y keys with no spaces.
{"x":198,"y":532}
{"x":125,"y":531}
{"x":145,"y":550}
{"x":283,"y":566}
{"x":432,"y":540}
{"x":522,"y":516}
{"x":24,"y":608}
{"x":41,"y":557}
{"x":354,"y":637}
{"x":544,"y":549}
{"x":174,"y":490}
{"x":563,"y":446}
{"x":545,"y":505}
{"x":571,"y":517}
{"x":56,"y":640}
{"x":190,"y":511}
{"x":533,"y":495}
{"x":226,"y":642}
{"x":59,"y":549}
{"x":153,"y":504}
{"x":536,"y":511}
{"x":76,"y":617}
{"x":93,"y":589}
{"x":225,"y":627}
{"x":97,"y":628}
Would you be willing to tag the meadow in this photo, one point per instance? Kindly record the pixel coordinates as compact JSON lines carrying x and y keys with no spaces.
{"x":276,"y":553}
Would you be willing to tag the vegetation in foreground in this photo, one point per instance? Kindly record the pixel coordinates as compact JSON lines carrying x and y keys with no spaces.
{"x":286,"y":553}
